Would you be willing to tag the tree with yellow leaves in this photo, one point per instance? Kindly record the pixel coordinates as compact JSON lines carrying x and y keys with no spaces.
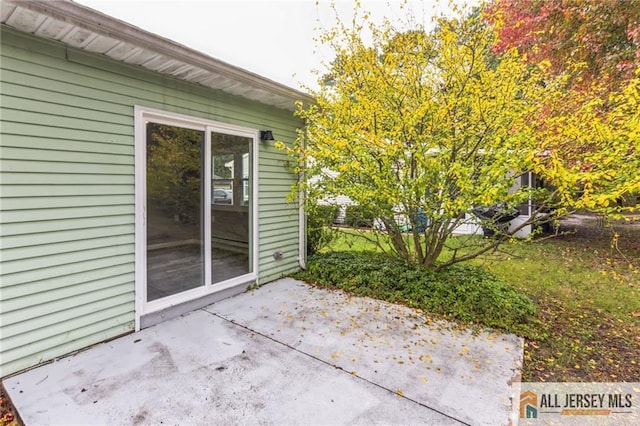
{"x":420,"y":127}
{"x":592,"y":153}
{"x":588,"y":128}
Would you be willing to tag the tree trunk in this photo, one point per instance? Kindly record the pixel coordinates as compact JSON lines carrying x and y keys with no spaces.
{"x":397,"y":241}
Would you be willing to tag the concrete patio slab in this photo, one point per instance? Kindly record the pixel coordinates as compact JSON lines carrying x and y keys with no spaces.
{"x":286,"y":353}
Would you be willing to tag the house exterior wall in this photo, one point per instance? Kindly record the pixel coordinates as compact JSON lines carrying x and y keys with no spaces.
{"x":67,"y":192}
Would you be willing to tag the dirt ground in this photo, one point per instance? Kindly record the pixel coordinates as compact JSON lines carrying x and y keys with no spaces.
{"x":590,"y":230}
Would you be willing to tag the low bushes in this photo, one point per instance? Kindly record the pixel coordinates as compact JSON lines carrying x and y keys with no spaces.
{"x":462,"y":292}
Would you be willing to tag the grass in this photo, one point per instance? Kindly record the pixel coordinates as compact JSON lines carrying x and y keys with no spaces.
{"x":587,"y":295}
{"x":588,"y":298}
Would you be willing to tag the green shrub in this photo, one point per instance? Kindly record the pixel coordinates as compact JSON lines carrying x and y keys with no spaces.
{"x":319,"y":233}
{"x":359,"y":217}
{"x":463,"y":292}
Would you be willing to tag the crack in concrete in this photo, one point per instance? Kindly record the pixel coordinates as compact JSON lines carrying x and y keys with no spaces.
{"x":335,"y":366}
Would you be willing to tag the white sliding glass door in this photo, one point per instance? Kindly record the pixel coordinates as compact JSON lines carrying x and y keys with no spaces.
{"x":195,"y":208}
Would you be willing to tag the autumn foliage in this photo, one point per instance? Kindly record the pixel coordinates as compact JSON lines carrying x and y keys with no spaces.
{"x":420,"y":126}
{"x":587,"y":128}
{"x":592,"y":153}
{"x":603,"y":36}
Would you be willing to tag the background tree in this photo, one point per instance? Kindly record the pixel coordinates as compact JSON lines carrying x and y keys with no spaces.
{"x":591,"y":40}
{"x":421,"y":126}
{"x":588,"y":128}
{"x":591,"y":153}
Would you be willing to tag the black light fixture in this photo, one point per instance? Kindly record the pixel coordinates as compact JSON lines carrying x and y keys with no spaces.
{"x":266,"y":135}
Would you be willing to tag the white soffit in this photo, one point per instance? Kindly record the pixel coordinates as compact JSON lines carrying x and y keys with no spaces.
{"x":87,"y":29}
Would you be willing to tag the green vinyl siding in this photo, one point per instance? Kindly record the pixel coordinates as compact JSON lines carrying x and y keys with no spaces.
{"x":67,"y":207}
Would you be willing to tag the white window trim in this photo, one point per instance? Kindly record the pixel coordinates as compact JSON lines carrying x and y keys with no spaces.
{"x":141,"y":116}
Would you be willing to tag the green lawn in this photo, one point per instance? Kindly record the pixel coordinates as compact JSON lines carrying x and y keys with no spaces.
{"x":587,"y":295}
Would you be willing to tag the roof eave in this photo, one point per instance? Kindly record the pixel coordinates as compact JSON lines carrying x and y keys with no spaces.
{"x":105,"y":25}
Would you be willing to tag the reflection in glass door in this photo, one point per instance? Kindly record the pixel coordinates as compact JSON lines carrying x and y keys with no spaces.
{"x":175,"y":250}
{"x":230,"y":206}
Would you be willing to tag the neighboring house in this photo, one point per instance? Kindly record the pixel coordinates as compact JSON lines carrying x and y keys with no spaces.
{"x":469,"y":225}
{"x":114,"y":142}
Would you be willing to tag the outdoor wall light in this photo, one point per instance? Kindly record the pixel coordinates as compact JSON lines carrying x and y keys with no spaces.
{"x":266,"y":135}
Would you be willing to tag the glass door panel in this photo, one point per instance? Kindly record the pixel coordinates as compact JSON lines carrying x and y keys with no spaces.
{"x":230,"y":206}
{"x":175,"y":251}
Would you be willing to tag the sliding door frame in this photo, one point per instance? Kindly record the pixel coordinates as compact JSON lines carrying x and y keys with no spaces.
{"x":142,"y":116}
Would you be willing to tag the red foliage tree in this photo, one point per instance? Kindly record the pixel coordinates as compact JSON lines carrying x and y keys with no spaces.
{"x":588,"y":127}
{"x":598,"y":39}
